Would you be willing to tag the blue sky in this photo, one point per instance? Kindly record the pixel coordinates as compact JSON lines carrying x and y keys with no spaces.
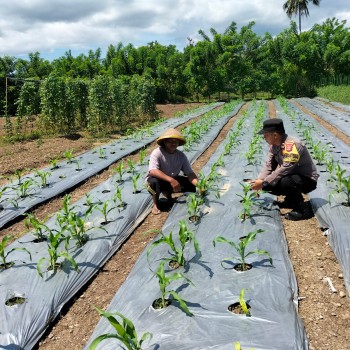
{"x":53,"y":27}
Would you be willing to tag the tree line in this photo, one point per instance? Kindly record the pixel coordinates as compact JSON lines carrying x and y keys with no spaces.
{"x":235,"y":62}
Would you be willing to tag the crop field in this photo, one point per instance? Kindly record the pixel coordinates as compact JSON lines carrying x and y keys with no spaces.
{"x":81,"y":251}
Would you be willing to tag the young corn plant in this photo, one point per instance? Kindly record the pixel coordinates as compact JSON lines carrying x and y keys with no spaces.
{"x":237,"y":346}
{"x":241,"y":249}
{"x":164,"y":282}
{"x":126,"y":332}
{"x":320,"y":153}
{"x":25,"y":188}
{"x":243,"y":303}
{"x":76,"y":225}
{"x":69,"y":155}
{"x":119,"y":170}
{"x":131,"y":166}
{"x":194,"y":203}
{"x":142,"y":156}
{"x":39,"y":227}
{"x":102,"y":153}
{"x":5,"y":264}
{"x":44,"y":176}
{"x":247,"y":200}
{"x":134,"y":180}
{"x":207,"y":183}
{"x":118,"y":198}
{"x":18,"y":174}
{"x":105,"y":209}
{"x":177,"y":252}
{"x":54,"y":164}
{"x":53,"y":264}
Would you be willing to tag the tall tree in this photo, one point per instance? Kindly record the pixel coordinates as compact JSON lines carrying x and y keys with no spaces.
{"x":298,"y":7}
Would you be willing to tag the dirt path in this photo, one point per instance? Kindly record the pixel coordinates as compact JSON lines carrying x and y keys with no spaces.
{"x":326,"y":315}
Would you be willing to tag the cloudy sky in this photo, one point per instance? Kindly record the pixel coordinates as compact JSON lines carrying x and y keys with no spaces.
{"x":52,"y":27}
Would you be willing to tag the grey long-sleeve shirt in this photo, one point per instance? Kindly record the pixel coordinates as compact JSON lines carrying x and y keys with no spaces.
{"x":291,"y":157}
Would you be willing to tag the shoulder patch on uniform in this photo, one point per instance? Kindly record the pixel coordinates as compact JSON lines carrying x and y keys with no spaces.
{"x":288,"y":146}
{"x":290,"y":152}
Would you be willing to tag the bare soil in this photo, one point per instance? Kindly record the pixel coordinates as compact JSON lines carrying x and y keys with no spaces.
{"x":326,"y":314}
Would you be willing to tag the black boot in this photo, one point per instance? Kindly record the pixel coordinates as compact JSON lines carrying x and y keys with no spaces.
{"x":301,"y":212}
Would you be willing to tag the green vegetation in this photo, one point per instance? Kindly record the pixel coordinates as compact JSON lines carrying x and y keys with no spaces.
{"x":241,"y":248}
{"x":4,"y":264}
{"x":126,"y":332}
{"x":164,"y":282}
{"x":177,"y":252}
{"x":106,"y":94}
{"x":339,"y":93}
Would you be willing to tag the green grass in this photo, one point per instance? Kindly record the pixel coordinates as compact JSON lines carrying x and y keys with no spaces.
{"x":340,"y":93}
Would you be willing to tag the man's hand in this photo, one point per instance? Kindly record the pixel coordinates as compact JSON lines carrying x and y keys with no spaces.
{"x":175,"y":185}
{"x":256,"y":185}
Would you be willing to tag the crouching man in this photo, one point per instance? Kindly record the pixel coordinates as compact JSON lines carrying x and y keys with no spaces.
{"x":288,"y":170}
{"x":166,"y":163}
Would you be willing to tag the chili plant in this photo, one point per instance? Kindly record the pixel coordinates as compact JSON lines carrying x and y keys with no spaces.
{"x":54,"y":241}
{"x":126,"y":332}
{"x":177,"y":253}
{"x":164,"y":282}
{"x":247,"y":200}
{"x":39,"y":227}
{"x":3,"y":256}
{"x":241,"y":248}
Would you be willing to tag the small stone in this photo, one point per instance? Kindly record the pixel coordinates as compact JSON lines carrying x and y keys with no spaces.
{"x":342,"y":294}
{"x":319,"y":254}
{"x":321,"y":317}
{"x":341,"y":276}
{"x":333,"y":314}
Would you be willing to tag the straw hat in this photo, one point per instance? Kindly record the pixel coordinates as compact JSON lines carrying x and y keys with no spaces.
{"x":171,"y":134}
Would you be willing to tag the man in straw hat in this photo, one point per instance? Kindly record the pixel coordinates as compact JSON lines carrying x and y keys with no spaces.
{"x":288,"y":170}
{"x":166,"y":163}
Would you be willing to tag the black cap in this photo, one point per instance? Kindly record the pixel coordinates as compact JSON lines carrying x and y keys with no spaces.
{"x":271,"y":125}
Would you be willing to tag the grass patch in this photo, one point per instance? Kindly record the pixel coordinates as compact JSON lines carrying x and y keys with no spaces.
{"x":340,"y":93}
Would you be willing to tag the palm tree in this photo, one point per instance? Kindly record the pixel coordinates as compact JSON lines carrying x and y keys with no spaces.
{"x":300,"y":7}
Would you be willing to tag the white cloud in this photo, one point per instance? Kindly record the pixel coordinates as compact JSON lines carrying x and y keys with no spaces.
{"x":59,"y":25}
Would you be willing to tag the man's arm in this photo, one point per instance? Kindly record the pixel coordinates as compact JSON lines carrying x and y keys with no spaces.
{"x":193,"y":178}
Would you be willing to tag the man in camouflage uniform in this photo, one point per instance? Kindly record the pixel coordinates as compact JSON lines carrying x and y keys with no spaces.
{"x":288,"y":170}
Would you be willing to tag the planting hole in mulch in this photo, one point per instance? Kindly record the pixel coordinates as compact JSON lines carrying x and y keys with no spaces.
{"x":173,"y":264}
{"x":7,"y":265}
{"x":103,"y":223}
{"x":236,"y":308}
{"x":106,"y":191}
{"x":247,"y":180}
{"x":157,"y":304}
{"x":239,"y":267}
{"x":15,"y":301}
{"x":194,"y":218}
